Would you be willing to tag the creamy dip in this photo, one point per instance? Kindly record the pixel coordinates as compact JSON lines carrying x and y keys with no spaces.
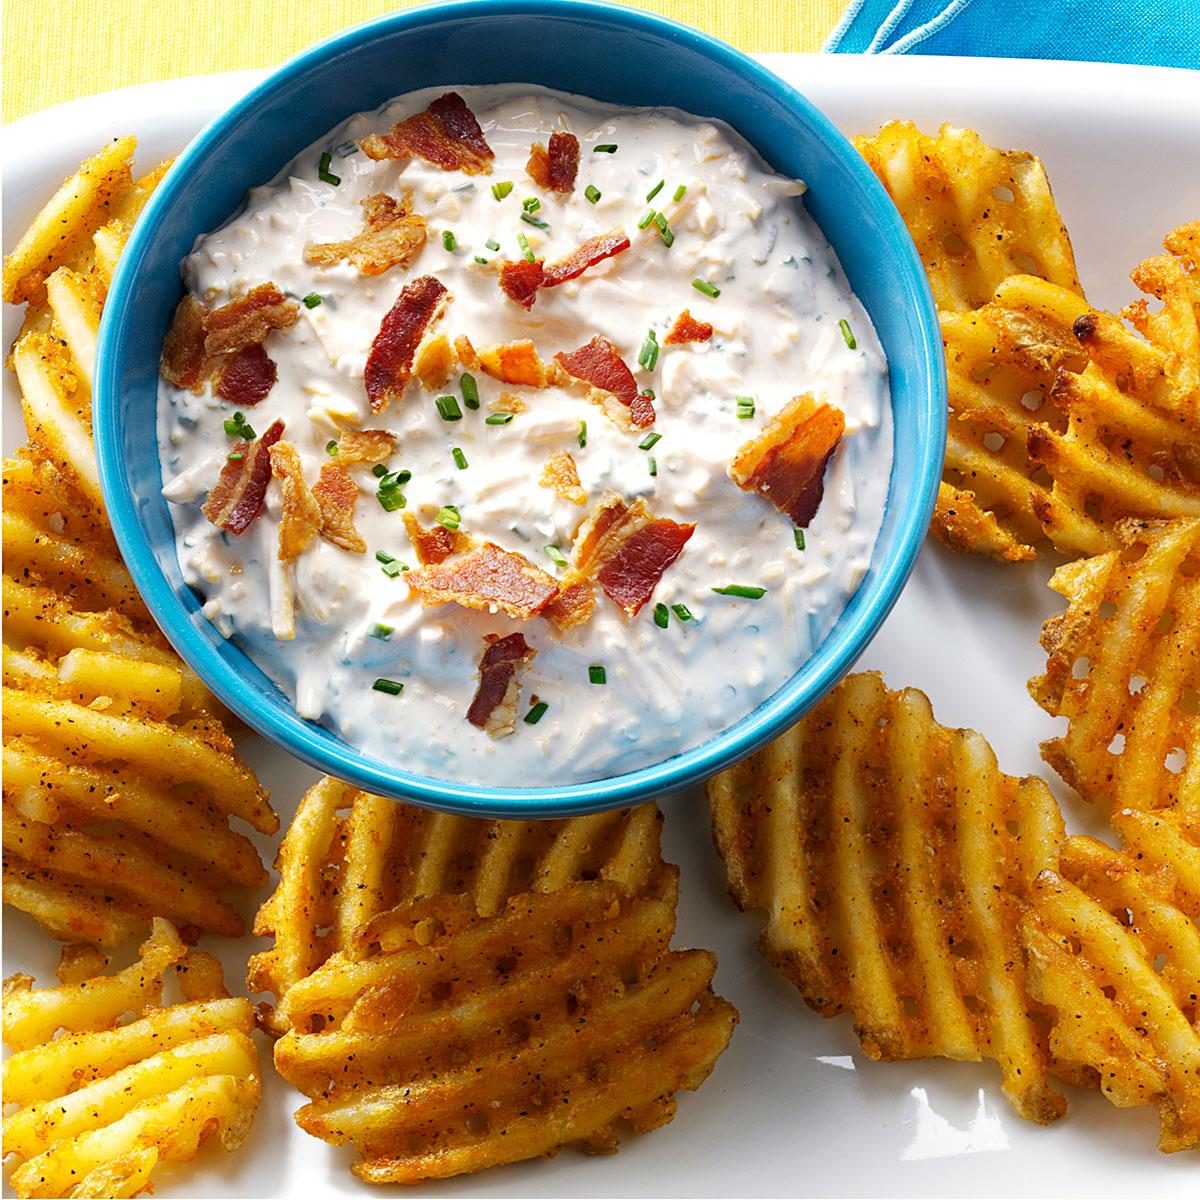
{"x":778,"y":333}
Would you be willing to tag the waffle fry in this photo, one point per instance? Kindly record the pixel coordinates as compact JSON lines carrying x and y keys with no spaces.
{"x":442,"y":1042}
{"x":976,"y":214}
{"x":1124,"y":669}
{"x":103,"y":1103}
{"x":894,"y":859}
{"x":349,"y":856}
{"x":1118,"y":967}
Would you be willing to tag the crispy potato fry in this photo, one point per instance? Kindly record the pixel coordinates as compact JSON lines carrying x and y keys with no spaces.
{"x":439,"y":1046}
{"x":1166,"y":844}
{"x":1117,"y":965}
{"x":976,"y":214}
{"x":338,"y":871}
{"x":76,"y":300}
{"x":893,"y":859}
{"x":101,"y":1103}
{"x":1124,"y":669}
{"x":109,"y":240}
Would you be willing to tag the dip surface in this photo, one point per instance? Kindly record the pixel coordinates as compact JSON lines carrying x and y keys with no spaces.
{"x":777,"y":334}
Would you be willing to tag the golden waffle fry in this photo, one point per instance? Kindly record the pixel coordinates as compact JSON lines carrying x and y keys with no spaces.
{"x":976,"y":214}
{"x":442,"y":1042}
{"x":1124,"y":669}
{"x":894,"y":860}
{"x":349,"y":855}
{"x":102,"y":1103}
{"x":1117,"y":965}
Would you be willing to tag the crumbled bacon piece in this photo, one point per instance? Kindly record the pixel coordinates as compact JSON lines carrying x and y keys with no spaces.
{"x":301,"y":515}
{"x":786,"y":462}
{"x":466,"y":352}
{"x":336,"y":495}
{"x":688,"y":329}
{"x":365,"y":446}
{"x":435,"y":544}
{"x":245,"y":378}
{"x":248,"y":320}
{"x":594,"y":250}
{"x":561,"y":476}
{"x":520,"y":281}
{"x":631,"y":575}
{"x":184,"y":362}
{"x":514,"y":362}
{"x":392,"y":236}
{"x":434,"y":362}
{"x":508,"y":402}
{"x":238,"y":495}
{"x":556,"y":168}
{"x":389,"y":365}
{"x":599,"y":364}
{"x":605,"y":529}
{"x":486,"y":578}
{"x":574,"y":604}
{"x":445,"y":134}
{"x":494,"y":708}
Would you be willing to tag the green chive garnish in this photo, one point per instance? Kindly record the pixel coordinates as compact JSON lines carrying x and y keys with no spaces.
{"x":312,"y":300}
{"x":799,"y":539}
{"x":391,"y":500}
{"x":470,"y":390}
{"x":682,"y":612}
{"x":501,"y":189}
{"x":582,"y":434}
{"x":449,"y":517}
{"x":708,"y":289}
{"x":379,"y":470}
{"x":460,"y":459}
{"x":652,"y":463}
{"x":449,"y":241}
{"x":592,"y":192}
{"x":236,"y":427}
{"x":323,"y":171}
{"x":536,"y":222}
{"x":532,"y":204}
{"x":556,"y":556}
{"x":650,"y":441}
{"x":390,"y":566}
{"x":741,"y":591}
{"x":847,"y":333}
{"x":523,"y":242}
{"x":605,"y":148}
{"x":499,"y":419}
{"x":745,"y":407}
{"x":381,"y":633}
{"x":391,"y":686}
{"x":481,"y":260}
{"x":658,"y":187}
{"x":492,"y":244}
{"x":662,"y":616}
{"x":646,"y":218}
{"x":448,"y":409}
{"x":331,"y":448}
{"x":597,"y":674}
{"x":536,"y":713}
{"x":680,"y":192}
{"x":648,"y":355}
{"x":236,"y":456}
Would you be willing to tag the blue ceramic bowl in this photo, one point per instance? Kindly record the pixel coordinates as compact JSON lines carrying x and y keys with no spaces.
{"x":614,"y":54}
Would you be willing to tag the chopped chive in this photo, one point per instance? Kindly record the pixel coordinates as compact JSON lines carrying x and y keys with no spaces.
{"x":847,"y":333}
{"x":448,"y":517}
{"x":665,"y":233}
{"x":383,"y":557}
{"x":707,"y":288}
{"x":799,"y":539}
{"x":648,"y":355}
{"x":682,"y":612}
{"x":312,"y":300}
{"x":492,"y":244}
{"x":470,"y":390}
{"x":745,"y":407}
{"x":501,"y":189}
{"x":536,"y":713}
{"x":593,"y":193}
{"x":392,"y":569}
{"x":379,"y":470}
{"x":331,"y":447}
{"x":597,"y":674}
{"x":391,"y":499}
{"x":680,"y":192}
{"x":481,"y":260}
{"x":605,"y":148}
{"x":645,"y":219}
{"x":394,"y":479}
{"x":662,"y":616}
{"x":556,"y":556}
{"x":742,"y":591}
{"x":648,"y":393}
{"x":449,"y":241}
{"x":236,"y":427}
{"x":460,"y":459}
{"x":532,"y":204}
{"x":582,"y":434}
{"x":536,"y":222}
{"x":652,"y":463}
{"x":523,"y":242}
{"x":448,"y":409}
{"x":387,"y":685}
{"x":236,"y":456}
{"x":650,"y":441}
{"x":324,"y":173}
{"x":381,"y":633}
{"x":499,"y":419}
{"x":658,"y":187}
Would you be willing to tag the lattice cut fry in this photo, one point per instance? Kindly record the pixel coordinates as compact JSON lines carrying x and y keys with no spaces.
{"x":1124,"y":669}
{"x":442,"y":1042}
{"x":102,"y":1103}
{"x":894,"y":860}
{"x":349,"y":856}
{"x":1117,"y":966}
{"x":976,"y":214}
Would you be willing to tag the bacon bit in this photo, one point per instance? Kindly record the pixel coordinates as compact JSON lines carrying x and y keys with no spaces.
{"x":594,"y":250}
{"x":514,"y":362}
{"x":246,"y":377}
{"x":389,"y":365}
{"x":494,"y":709}
{"x":436,"y":544}
{"x":599,"y":364}
{"x":561,"y":476}
{"x":435,"y":361}
{"x":508,"y":402}
{"x":301,"y":515}
{"x":520,"y":281}
{"x":336,"y":495}
{"x":688,"y":329}
{"x":486,"y":578}
{"x":365,"y":446}
{"x":574,"y":604}
{"x":248,"y":320}
{"x":610,"y":523}
{"x":184,"y":362}
{"x":238,"y":495}
{"x":445,"y":134}
{"x":466,"y":353}
{"x":786,"y":462}
{"x":631,"y":575}
{"x":555,"y":170}
{"x":392,"y":237}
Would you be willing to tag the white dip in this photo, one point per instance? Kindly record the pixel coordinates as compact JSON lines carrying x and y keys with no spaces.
{"x":782,"y":294}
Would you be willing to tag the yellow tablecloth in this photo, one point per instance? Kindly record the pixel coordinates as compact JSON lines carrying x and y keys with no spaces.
{"x":56,"y":50}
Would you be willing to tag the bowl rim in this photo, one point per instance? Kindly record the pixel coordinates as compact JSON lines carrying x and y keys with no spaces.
{"x":855,"y":627}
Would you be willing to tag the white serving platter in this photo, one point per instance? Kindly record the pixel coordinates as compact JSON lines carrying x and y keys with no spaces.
{"x":793,"y":1108}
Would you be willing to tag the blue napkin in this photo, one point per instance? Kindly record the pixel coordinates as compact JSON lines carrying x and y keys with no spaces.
{"x":1163,"y":33}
